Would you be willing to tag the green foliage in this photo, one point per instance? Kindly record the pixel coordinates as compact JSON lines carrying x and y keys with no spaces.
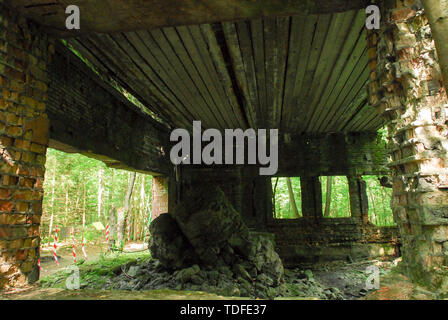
{"x":382,"y":136}
{"x":340,"y":197}
{"x":380,"y":212}
{"x":72,"y":188}
{"x":282,"y":206}
{"x":96,"y":272}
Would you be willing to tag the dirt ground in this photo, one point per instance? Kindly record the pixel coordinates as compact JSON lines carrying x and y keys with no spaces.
{"x":349,"y":278}
{"x":38,"y":293}
{"x":65,"y":255}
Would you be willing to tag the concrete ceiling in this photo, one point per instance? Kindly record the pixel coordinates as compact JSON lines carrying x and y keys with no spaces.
{"x":300,"y":73}
{"x":108,"y":16}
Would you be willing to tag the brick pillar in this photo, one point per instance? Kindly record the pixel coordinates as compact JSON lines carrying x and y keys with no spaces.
{"x":159,"y":196}
{"x":406,"y":89}
{"x":24,"y":130}
{"x":359,"y":203}
{"x":311,"y":197}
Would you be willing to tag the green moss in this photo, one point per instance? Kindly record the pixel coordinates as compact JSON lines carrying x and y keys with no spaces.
{"x":95,"y":272}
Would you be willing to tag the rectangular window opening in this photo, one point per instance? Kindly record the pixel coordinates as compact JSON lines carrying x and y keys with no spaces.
{"x":84,"y":195}
{"x":287,"y":198}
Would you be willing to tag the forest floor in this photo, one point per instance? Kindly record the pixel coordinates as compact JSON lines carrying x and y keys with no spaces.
{"x":349,"y":278}
{"x":65,"y":255}
{"x":97,"y":258}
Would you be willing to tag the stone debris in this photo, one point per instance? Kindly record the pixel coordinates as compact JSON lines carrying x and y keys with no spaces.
{"x":224,"y":282}
{"x":207,"y":231}
{"x":204,"y":245}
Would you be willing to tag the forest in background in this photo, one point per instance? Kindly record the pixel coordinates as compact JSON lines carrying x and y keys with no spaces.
{"x":77,"y":186}
{"x":338,"y":204}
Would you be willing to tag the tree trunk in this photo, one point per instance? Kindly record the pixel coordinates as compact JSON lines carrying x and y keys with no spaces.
{"x":127,"y":200}
{"x":75,"y":215}
{"x":100,"y":190}
{"x":66,"y":205}
{"x":437,"y":13}
{"x":53,"y":183}
{"x":131,"y":183}
{"x":83,"y":214}
{"x":328,"y":196}
{"x":273,"y":197}
{"x":142,"y":207}
{"x":84,"y":207}
{"x":112,"y":184}
{"x":148,"y":215}
{"x":121,"y":228}
{"x":372,"y":200}
{"x":292,"y":200}
{"x":112,"y":227}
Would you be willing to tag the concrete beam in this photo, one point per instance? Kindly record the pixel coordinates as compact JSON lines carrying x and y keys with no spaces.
{"x":89,"y":116}
{"x":332,"y":154}
{"x":107,"y":16}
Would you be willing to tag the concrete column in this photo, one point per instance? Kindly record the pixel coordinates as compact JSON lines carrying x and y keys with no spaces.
{"x":359,"y":203}
{"x":406,"y":88}
{"x":311,"y":197}
{"x":256,"y":201}
{"x":24,"y":131}
{"x":159,"y":196}
{"x":248,"y":192}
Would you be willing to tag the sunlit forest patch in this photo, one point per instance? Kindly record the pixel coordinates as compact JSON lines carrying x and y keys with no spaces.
{"x":77,"y":186}
{"x":282,"y":204}
{"x":380,"y":211}
{"x":336,"y":189}
{"x":335,"y":199}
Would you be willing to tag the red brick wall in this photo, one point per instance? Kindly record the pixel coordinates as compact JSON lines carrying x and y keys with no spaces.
{"x":24,"y":129}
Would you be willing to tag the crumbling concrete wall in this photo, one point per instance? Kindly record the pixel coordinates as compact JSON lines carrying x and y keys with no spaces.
{"x":332,"y":154}
{"x":313,"y":238}
{"x":24,"y":129}
{"x":49,"y":96}
{"x":308,"y":239}
{"x":249,"y":193}
{"x":407,"y":90}
{"x":91,"y":117}
{"x":304,"y":241}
